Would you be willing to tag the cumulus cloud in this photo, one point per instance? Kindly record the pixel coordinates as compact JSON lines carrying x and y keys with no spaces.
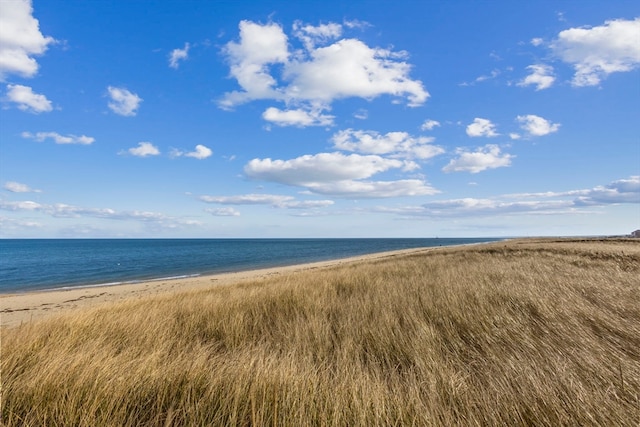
{"x":487,"y":157}
{"x":541,"y":76}
{"x":620,"y":191}
{"x":123,"y":102}
{"x":58,"y":138}
{"x":481,"y":127}
{"x":312,"y":35}
{"x":20,"y":39}
{"x":350,"y":68}
{"x":297,"y":117}
{"x":323,"y":167}
{"x":338,"y":174}
{"x":596,"y":52}
{"x":178,"y":55}
{"x":396,"y":144}
{"x":201,"y":152}
{"x":430,"y":124}
{"x":249,"y":60}
{"x":536,"y":125}
{"x":17,"y":187}
{"x":144,"y":149}
{"x":27,"y":100}
{"x":312,"y":77}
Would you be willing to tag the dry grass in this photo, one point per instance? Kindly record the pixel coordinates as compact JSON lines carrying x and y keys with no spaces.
{"x":515,"y":333}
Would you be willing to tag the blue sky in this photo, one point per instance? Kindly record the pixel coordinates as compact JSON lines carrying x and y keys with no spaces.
{"x":319,"y":119}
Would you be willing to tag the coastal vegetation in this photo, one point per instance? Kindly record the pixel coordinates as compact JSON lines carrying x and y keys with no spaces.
{"x":539,"y":332}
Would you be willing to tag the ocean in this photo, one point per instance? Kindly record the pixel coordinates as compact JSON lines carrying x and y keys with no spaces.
{"x":39,"y":264}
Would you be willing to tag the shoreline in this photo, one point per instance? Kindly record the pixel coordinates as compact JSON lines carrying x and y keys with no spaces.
{"x":18,"y":308}
{"x":34,"y":269}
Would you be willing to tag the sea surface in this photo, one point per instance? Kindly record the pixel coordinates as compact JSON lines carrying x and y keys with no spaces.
{"x":38,"y":264}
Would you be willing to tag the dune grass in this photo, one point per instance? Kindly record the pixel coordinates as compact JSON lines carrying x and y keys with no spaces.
{"x":525,"y":332}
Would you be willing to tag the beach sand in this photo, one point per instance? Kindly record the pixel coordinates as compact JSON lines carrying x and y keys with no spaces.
{"x":19,"y":308}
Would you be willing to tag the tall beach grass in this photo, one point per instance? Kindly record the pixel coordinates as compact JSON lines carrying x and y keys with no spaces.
{"x":526,"y":332}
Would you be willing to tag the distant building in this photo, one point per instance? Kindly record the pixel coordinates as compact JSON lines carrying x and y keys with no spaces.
{"x":635,"y":233}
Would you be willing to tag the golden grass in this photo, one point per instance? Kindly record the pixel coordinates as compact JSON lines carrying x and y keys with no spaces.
{"x":526,"y":332}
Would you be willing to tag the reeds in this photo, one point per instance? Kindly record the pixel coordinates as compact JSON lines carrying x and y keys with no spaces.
{"x":511,"y":333}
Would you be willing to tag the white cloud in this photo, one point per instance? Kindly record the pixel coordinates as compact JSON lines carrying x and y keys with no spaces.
{"x":397,"y":144}
{"x":200,"y":152}
{"x":481,"y":127}
{"x":259,"y":46}
{"x":620,"y":191}
{"x":25,"y":205}
{"x":178,"y":55}
{"x":62,"y":210}
{"x":541,"y":76}
{"x":313,"y":77}
{"x":59,"y":139}
{"x":17,"y":187}
{"x":536,"y":125}
{"x":350,"y":68}
{"x":494,"y":73}
{"x":20,"y":39}
{"x":374,"y":189}
{"x":222,"y":211}
{"x":484,"y":207}
{"x":311,"y":35}
{"x":123,"y":102}
{"x":338,"y":175}
{"x":474,"y":207}
{"x":144,"y":149}
{"x":537,"y":41}
{"x":514,"y":135}
{"x":297,"y":117}
{"x":487,"y":157}
{"x":430,"y":124}
{"x":567,"y":202}
{"x":361,"y":114}
{"x":274,"y":200}
{"x":599,"y":51}
{"x":27,"y":100}
{"x":629,"y":185}
{"x":308,"y":170}
{"x":248,"y":199}
{"x":12,"y":224}
{"x":307,"y":204}
{"x":355,"y":23}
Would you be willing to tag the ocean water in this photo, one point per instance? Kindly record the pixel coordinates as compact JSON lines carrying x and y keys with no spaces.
{"x":37,"y":264}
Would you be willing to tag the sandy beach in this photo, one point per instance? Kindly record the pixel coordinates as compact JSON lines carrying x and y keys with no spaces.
{"x":19,"y":308}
